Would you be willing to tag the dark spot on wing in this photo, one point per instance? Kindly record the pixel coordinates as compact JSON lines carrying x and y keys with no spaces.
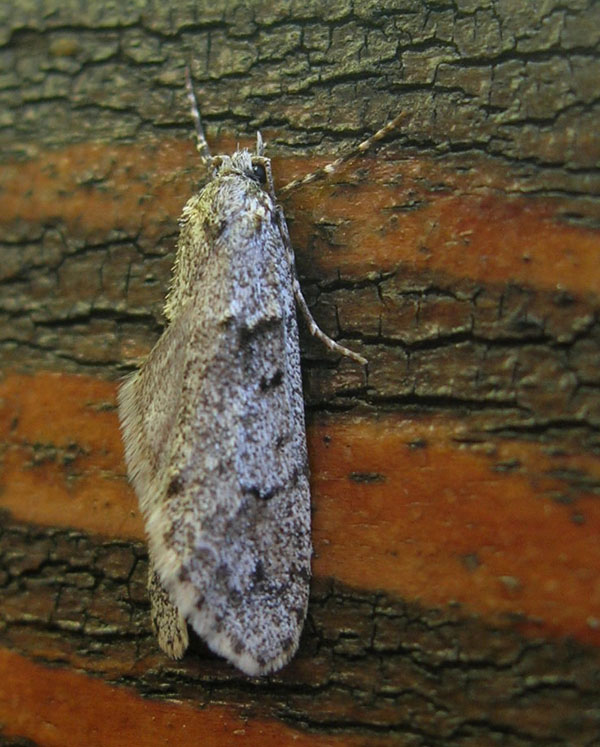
{"x":218,"y":626}
{"x":213,"y":227}
{"x":175,"y":487}
{"x":263,"y":495}
{"x":262,"y":327}
{"x":169,"y":535}
{"x":238,"y":647}
{"x":200,"y":603}
{"x":287,"y":643}
{"x":270,"y":382}
{"x":259,"y":572}
{"x":221,"y":574}
{"x":184,"y":575}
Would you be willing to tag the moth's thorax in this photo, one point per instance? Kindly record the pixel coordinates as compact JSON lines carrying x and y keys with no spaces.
{"x":229,"y":231}
{"x":217,"y":195}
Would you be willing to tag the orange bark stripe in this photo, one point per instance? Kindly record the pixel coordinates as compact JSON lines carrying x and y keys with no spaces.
{"x":437,"y":524}
{"x":63,"y":462}
{"x":398,"y":505}
{"x":58,"y":708}
{"x":417,"y":213}
{"x":467,"y":230}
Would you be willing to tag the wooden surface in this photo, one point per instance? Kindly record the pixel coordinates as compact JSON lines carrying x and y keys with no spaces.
{"x":456,"y":592}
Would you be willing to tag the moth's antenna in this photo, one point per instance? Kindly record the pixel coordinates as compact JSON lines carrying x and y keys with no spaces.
{"x":201,"y":144}
{"x":334,"y":165}
{"x":260,"y":145}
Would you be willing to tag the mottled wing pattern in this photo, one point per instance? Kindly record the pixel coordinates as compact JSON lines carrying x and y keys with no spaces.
{"x":223,"y":478}
{"x":148,"y":405}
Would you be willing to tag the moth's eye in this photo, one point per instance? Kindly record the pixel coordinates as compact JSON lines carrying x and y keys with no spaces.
{"x":259,"y":173}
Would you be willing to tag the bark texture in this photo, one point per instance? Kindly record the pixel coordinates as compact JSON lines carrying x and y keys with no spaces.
{"x":455,"y":488}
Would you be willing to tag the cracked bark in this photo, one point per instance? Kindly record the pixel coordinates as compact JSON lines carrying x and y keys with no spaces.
{"x":455,"y":597}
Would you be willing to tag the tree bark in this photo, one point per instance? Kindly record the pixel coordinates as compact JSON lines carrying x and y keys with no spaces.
{"x":455,"y":597}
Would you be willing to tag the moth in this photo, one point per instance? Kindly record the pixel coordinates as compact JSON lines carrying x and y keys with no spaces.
{"x":213,"y":424}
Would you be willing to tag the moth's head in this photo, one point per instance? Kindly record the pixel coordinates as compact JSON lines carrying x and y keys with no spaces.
{"x":254,"y":166}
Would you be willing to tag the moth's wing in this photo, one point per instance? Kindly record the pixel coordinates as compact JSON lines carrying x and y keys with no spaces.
{"x":231,"y":534}
{"x":231,"y":537}
{"x":149,"y":401}
{"x":168,"y":624}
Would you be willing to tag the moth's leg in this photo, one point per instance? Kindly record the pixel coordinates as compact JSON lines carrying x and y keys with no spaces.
{"x":313,"y":327}
{"x":318,"y":332}
{"x":168,"y":624}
